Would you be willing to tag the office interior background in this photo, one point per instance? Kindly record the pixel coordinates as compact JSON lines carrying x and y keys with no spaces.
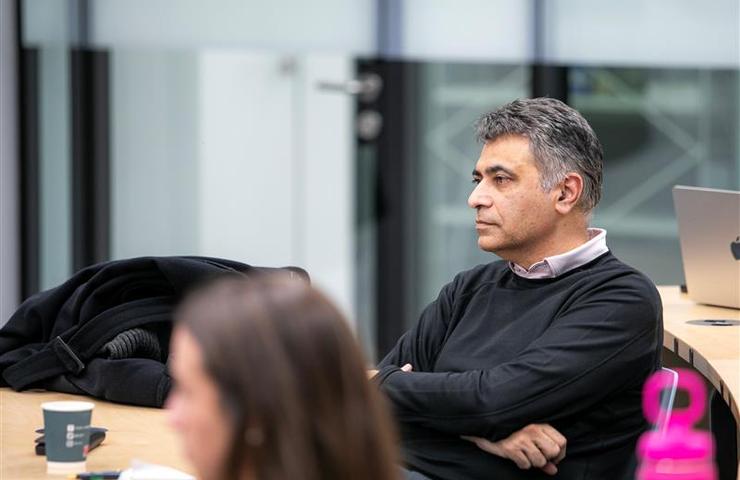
{"x":336,"y":135}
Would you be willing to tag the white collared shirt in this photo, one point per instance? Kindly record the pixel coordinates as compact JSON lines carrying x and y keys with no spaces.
{"x":551,"y":267}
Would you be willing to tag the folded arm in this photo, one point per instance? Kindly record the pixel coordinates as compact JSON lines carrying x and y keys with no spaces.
{"x":594,"y":349}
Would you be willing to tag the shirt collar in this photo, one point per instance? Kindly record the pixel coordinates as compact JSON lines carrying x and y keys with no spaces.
{"x":556,"y":265}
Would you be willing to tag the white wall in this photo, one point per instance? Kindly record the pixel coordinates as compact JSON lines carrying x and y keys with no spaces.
{"x":247,"y":180}
{"x":275,"y":164}
{"x":9,"y":248}
{"x":287,"y":26}
{"x":654,"y":33}
{"x":154,"y":153}
{"x":328,"y":207}
{"x":498,"y":31}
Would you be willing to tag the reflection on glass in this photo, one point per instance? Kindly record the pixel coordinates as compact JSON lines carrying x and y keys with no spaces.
{"x":451,"y":98}
{"x":46,"y":41}
{"x":659,"y":128}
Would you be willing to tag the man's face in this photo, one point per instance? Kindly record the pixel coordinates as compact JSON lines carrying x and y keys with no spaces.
{"x":513,"y":213}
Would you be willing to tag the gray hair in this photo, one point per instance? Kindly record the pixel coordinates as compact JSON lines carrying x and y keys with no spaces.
{"x":560,"y":139}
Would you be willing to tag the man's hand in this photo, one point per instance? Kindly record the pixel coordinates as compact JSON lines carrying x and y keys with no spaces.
{"x":405,"y":368}
{"x":536,"y":445}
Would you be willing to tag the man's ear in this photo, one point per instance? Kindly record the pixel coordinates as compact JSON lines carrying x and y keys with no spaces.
{"x":569,"y":193}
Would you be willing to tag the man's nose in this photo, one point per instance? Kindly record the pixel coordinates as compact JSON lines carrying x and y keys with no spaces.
{"x":479,"y":198}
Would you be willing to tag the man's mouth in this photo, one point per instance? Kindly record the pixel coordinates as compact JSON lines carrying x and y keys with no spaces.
{"x":482,"y":224}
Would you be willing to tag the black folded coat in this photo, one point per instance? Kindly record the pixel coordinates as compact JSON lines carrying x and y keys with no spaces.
{"x":61,"y":339}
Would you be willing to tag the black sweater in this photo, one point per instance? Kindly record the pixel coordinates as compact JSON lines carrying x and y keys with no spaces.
{"x":496,"y":352}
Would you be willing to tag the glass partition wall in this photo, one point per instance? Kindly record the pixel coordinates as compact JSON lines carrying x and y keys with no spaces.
{"x":218,"y":135}
{"x":344,"y":144}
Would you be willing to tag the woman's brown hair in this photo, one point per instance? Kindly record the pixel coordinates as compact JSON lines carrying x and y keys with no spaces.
{"x":292,"y":381}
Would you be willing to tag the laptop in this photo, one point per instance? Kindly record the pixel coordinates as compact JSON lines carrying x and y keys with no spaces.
{"x":709,"y":231}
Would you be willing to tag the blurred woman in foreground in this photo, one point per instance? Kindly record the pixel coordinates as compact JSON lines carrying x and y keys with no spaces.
{"x":270,"y":385}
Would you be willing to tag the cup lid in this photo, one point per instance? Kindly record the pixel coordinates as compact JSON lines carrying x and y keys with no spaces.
{"x":68,"y":406}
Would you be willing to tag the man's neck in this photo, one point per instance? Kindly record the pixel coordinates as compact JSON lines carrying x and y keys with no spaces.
{"x":555,"y":244}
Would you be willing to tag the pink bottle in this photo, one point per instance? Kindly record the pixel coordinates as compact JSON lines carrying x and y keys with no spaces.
{"x":675,"y":450}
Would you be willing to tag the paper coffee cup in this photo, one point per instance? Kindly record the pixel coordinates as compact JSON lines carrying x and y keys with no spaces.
{"x":67,"y":435}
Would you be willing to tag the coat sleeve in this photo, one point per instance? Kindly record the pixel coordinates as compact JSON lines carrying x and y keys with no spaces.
{"x":595,"y":348}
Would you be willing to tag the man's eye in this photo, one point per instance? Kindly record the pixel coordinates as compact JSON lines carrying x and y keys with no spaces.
{"x":500,"y":179}
{"x":476,"y":181}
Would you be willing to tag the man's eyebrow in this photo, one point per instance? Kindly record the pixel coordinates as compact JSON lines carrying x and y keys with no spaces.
{"x":490,"y":170}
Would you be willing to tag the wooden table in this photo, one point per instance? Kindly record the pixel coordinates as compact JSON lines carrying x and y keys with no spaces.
{"x":133,"y":433}
{"x":714,"y":351}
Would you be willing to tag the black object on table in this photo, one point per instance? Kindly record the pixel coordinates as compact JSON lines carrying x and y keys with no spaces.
{"x":97,"y":435}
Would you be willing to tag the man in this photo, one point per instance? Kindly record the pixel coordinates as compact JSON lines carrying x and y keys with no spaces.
{"x":555,"y":340}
